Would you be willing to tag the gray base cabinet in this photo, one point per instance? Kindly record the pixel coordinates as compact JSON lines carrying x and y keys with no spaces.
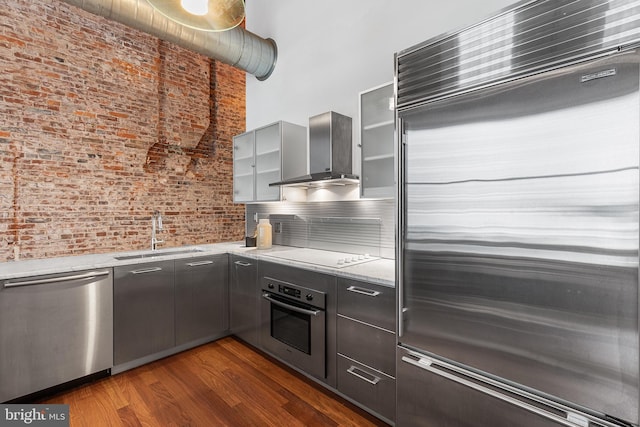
{"x":366,"y":344}
{"x":166,"y":306}
{"x":244,"y":297}
{"x":200,"y":298}
{"x":143,"y":303}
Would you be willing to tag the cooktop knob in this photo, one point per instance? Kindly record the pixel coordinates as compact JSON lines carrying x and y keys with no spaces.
{"x":309,"y":297}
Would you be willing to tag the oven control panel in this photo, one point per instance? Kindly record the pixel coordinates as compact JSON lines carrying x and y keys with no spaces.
{"x":296,"y":292}
{"x":289,"y":291}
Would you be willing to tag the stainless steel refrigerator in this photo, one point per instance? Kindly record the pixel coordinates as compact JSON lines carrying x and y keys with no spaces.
{"x":519,"y":220}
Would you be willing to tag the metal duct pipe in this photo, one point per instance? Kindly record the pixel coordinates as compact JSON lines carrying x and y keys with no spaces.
{"x":237,"y":47}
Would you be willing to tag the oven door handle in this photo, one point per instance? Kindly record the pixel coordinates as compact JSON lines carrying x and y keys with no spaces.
{"x":289,"y":306}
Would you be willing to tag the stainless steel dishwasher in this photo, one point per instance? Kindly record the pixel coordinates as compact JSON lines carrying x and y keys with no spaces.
{"x":54,"y":329}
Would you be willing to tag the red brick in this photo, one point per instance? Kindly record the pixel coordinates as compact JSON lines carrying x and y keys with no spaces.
{"x":87,"y":102}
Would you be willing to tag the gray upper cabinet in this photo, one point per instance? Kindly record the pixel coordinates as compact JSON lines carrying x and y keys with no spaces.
{"x":265,"y":155}
{"x":377,"y":142}
{"x":244,"y":167}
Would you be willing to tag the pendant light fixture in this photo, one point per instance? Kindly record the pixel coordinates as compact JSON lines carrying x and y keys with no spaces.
{"x":205,"y":15}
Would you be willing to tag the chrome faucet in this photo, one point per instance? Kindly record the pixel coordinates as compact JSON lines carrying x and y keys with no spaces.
{"x":156,"y":226}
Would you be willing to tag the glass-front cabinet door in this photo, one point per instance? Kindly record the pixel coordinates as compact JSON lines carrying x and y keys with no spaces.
{"x":268,"y":163}
{"x":377,"y":142}
{"x":267,"y":155}
{"x":243,"y":167}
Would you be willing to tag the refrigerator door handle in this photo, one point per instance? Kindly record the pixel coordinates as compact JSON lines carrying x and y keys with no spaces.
{"x":571,"y":419}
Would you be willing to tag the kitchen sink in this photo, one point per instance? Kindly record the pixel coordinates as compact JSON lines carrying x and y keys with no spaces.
{"x":157,"y":254}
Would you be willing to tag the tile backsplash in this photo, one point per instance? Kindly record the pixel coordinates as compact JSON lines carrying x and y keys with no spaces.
{"x":354,"y":226}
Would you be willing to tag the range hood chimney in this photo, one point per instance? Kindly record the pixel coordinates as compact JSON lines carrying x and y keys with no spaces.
{"x":236,"y":47}
{"x":330,"y":153}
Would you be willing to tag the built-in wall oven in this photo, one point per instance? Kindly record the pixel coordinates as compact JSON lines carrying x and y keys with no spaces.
{"x":294,"y":325}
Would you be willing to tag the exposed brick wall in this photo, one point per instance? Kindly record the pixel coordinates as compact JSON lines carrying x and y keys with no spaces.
{"x":100,"y":125}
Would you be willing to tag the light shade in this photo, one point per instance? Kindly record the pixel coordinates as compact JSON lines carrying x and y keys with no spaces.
{"x":219,"y":15}
{"x":195,"y":7}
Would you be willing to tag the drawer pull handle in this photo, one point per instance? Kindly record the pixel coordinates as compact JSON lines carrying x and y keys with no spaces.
{"x":199,"y":263}
{"x":242,"y":264}
{"x":363,"y":291}
{"x":353,"y":370}
{"x":146,"y":270}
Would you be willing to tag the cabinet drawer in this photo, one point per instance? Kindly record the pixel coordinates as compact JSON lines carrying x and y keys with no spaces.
{"x":367,"y":386}
{"x":373,"y":304}
{"x":370,"y":345}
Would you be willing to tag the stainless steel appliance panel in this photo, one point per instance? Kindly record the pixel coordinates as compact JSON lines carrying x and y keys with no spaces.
{"x":313,"y":280}
{"x":54,"y":329}
{"x":432,"y":395}
{"x":520,"y":239}
{"x":294,"y":325}
{"x":330,"y":142}
{"x":527,"y":38}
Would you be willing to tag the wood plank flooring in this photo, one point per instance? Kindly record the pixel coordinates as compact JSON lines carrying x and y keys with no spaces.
{"x":224,"y":383}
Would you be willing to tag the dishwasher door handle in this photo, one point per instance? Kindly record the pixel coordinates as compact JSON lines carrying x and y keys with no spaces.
{"x":87,"y":275}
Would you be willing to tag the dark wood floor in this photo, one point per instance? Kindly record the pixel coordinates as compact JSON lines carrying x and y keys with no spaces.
{"x":224,"y":383}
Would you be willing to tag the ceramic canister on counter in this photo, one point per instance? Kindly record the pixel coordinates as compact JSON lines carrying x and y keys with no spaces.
{"x":264,"y":234}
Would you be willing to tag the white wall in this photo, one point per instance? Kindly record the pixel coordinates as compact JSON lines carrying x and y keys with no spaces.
{"x":330,"y":50}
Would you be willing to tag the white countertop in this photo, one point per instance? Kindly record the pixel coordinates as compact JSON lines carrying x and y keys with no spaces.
{"x":380,"y":271}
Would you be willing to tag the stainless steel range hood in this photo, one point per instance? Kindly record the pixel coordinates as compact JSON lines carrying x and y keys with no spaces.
{"x":330,"y":153}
